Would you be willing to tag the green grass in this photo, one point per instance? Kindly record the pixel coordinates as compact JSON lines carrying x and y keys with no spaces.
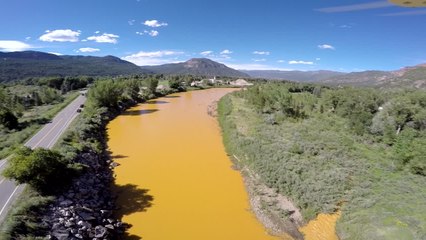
{"x":24,"y":216}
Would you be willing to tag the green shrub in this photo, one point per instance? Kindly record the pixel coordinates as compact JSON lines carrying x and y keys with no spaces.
{"x":24,"y":218}
{"x":44,"y":170}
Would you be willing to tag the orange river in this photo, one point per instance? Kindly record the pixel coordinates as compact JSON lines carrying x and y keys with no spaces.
{"x":175,"y":180}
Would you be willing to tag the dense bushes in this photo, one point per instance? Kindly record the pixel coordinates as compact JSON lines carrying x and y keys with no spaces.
{"x":44,"y":170}
{"x":336,"y":148}
{"x":7,"y":108}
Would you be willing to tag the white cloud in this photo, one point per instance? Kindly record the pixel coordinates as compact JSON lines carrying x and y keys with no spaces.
{"x":60,"y":35}
{"x":259,"y":60}
{"x":13,"y":46}
{"x":56,"y":53}
{"x":406,"y":13}
{"x":280,"y":61}
{"x":326,"y":46}
{"x":261,"y":53}
{"x":300,"y":62}
{"x":154,"y":23}
{"x":151,"y":33}
{"x":153,"y":58}
{"x":206,"y":53}
{"x":317,"y":59}
{"x":256,"y":66}
{"x":226,"y":51}
{"x":131,"y":22}
{"x":104,"y":38}
{"x":88,"y":49}
{"x":223,"y":56}
{"x":97,"y":32}
{"x":27,"y":38}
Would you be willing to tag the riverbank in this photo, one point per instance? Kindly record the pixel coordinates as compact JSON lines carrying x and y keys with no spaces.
{"x":327,"y":162}
{"x":276,"y":212}
{"x":87,"y":209}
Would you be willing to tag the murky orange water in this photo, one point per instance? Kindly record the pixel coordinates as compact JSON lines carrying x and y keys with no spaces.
{"x":175,"y":179}
{"x":321,"y":228}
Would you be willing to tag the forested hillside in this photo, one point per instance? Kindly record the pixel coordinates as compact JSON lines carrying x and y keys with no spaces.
{"x":357,"y":150}
{"x":30,"y":64}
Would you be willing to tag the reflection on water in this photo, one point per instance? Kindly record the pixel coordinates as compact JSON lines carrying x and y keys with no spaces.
{"x":176,"y":181}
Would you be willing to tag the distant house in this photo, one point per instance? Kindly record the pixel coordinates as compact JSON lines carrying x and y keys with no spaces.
{"x":212,"y":80}
{"x":197,"y":84}
{"x":240,"y":83}
{"x":160,"y":87}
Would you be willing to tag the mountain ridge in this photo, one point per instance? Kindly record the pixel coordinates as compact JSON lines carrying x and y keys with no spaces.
{"x":196,"y":66}
{"x":27,"y":64}
{"x":295,"y":75}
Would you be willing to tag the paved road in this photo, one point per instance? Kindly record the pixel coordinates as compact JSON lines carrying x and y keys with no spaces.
{"x":45,"y":138}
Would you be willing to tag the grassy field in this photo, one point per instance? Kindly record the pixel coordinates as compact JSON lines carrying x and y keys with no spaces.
{"x":323,"y":165}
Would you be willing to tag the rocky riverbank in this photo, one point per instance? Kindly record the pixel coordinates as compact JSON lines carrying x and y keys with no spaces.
{"x":86,"y":210}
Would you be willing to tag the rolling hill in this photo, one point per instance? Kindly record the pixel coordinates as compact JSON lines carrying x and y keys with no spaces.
{"x":302,"y":76}
{"x":406,"y":77}
{"x":196,"y":66}
{"x":20,"y":65}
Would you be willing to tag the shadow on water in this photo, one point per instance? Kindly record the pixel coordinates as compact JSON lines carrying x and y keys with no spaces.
{"x":139,"y":112}
{"x":156,"y":102}
{"x":171,"y":97}
{"x":127,"y":236}
{"x":118,"y":156}
{"x":132,"y":199}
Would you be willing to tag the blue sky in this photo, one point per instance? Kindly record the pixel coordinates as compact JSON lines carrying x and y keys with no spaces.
{"x":244,"y":34}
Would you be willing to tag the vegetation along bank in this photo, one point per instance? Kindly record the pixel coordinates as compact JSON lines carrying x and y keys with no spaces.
{"x":355,"y":150}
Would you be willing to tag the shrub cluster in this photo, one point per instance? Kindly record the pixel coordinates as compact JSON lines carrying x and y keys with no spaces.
{"x":335,"y":148}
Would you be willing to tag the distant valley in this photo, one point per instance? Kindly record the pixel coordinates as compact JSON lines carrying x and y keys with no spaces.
{"x":21,"y":65}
